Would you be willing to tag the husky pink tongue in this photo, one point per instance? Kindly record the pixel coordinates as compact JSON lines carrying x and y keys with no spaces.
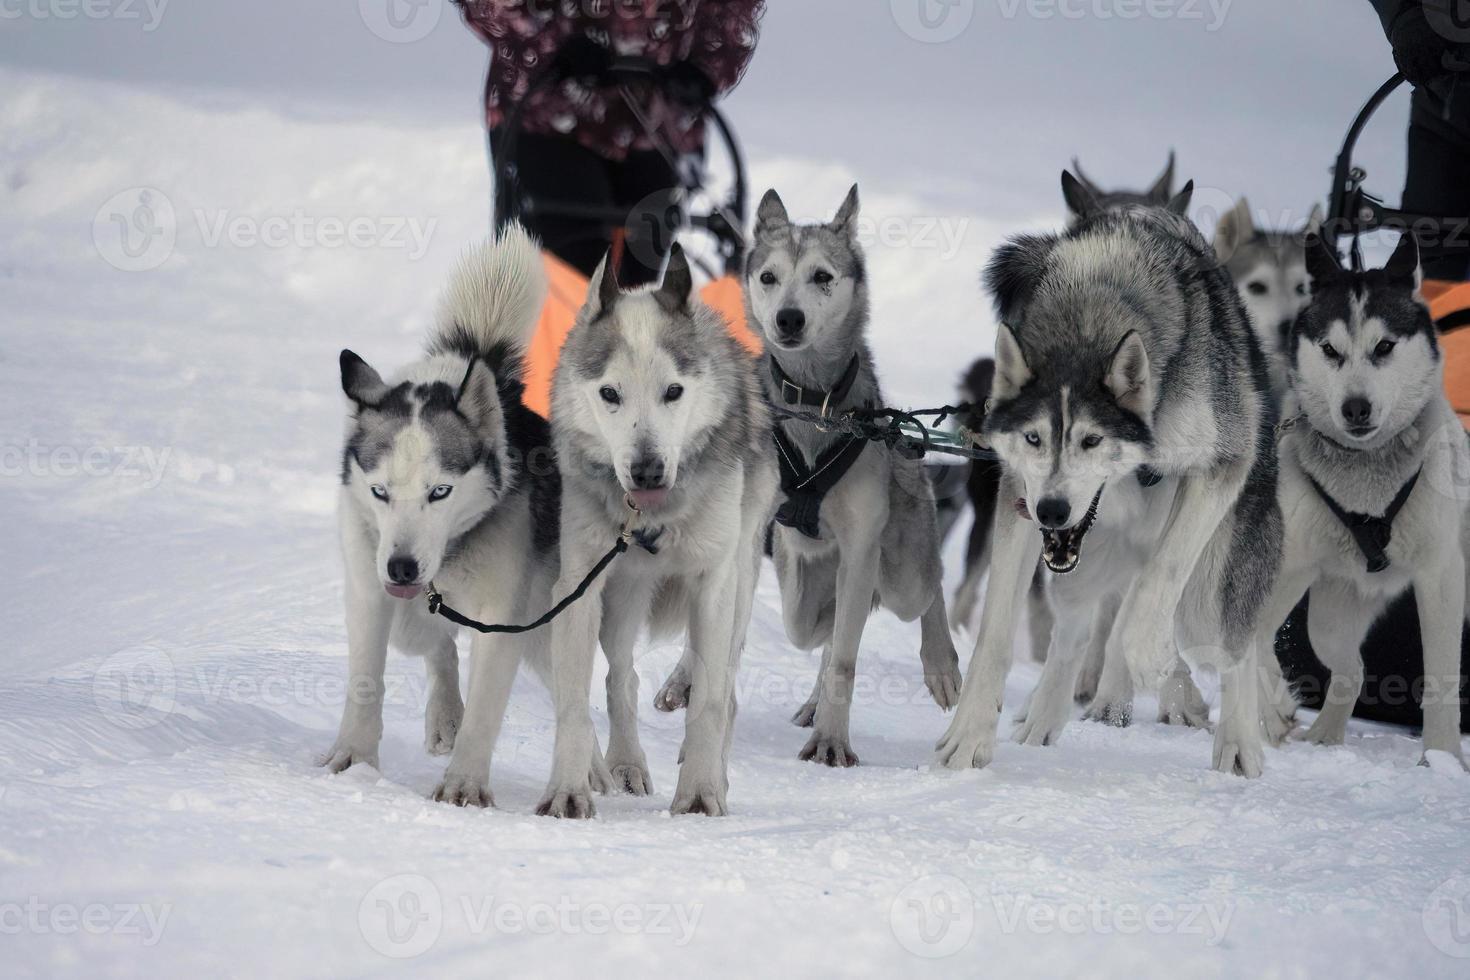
{"x":648,"y":499}
{"x":404,"y":591}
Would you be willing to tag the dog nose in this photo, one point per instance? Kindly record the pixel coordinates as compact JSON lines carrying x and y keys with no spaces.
{"x":1357,"y":411}
{"x":647,"y":473}
{"x":403,"y":571}
{"x":1053,"y":512}
{"x":790,"y":322}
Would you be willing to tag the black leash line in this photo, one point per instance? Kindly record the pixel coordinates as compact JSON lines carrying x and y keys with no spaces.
{"x":625,"y":537}
{"x":863,"y":423}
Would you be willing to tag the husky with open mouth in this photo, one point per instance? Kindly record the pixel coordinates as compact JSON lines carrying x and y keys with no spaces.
{"x":1124,"y":354}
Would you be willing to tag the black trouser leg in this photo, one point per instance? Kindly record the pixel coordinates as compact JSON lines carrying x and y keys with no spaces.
{"x":1438,"y":179}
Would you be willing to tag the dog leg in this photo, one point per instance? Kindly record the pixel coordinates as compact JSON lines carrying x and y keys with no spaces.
{"x":1090,"y":679}
{"x":966,"y":596}
{"x":1440,"y":594}
{"x":1238,"y":746}
{"x":702,"y":779}
{"x":937,"y":654}
{"x":807,"y":713}
{"x":1051,"y":703}
{"x":674,"y":694}
{"x":573,"y":649}
{"x":446,"y":710}
{"x":1180,"y":702}
{"x":970,"y":740}
{"x":1278,"y":705}
{"x":625,"y":610}
{"x":1040,"y":619}
{"x":369,"y":617}
{"x":1113,"y":703}
{"x":1338,"y":619}
{"x":857,"y":578}
{"x":493,"y":665}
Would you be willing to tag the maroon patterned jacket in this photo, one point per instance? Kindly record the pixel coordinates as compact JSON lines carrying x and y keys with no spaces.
{"x":716,"y":36}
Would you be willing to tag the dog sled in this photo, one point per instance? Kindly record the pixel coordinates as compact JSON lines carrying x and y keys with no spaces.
{"x":693,"y":207}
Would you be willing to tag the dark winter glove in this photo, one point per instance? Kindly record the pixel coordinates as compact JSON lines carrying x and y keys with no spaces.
{"x":582,"y":57}
{"x":1426,"y":42}
{"x":685,"y":84}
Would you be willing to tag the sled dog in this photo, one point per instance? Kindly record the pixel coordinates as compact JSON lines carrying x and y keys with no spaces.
{"x":856,"y":525}
{"x":448,"y":479}
{"x":1373,"y":479}
{"x":1086,"y":199}
{"x":1124,"y":354}
{"x":656,"y":413}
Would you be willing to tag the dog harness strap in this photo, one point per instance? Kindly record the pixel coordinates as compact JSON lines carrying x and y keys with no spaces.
{"x":1372,"y":534}
{"x":792,"y":393}
{"x":805,"y":488}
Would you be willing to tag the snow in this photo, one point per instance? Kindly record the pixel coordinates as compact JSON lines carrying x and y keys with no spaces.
{"x":176,"y":657}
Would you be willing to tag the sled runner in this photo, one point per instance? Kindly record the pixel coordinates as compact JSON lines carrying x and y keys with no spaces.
{"x":723,"y":223}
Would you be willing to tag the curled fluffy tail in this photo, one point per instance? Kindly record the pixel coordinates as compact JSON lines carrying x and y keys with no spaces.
{"x":493,"y":301}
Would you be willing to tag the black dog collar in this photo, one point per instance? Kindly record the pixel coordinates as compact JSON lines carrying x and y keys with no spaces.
{"x":791,"y":393}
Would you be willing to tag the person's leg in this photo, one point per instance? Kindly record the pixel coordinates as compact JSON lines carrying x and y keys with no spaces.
{"x":648,"y":188}
{"x":1438,"y":179}
{"x":559,"y":169}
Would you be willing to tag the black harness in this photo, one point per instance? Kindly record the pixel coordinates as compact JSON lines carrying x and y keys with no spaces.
{"x":805,"y":487}
{"x":1372,"y":534}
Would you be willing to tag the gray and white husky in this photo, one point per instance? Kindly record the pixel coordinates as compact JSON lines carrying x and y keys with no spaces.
{"x":1124,"y":349}
{"x":448,"y":479}
{"x":656,"y":410}
{"x":1270,"y":271}
{"x":1376,"y":445}
{"x":1086,"y":199}
{"x":872,"y":538}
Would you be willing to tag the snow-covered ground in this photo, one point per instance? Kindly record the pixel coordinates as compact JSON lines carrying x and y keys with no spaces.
{"x":174,"y":657}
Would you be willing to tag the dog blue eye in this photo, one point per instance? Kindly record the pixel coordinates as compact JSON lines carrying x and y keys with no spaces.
{"x":674,"y":393}
{"x":1032,"y":439}
{"x":440,"y":492}
{"x":610,"y":395}
{"x":1092,"y":442}
{"x":768,"y":279}
{"x":379,"y":491}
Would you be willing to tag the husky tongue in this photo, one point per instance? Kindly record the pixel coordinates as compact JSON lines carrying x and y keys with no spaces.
{"x":404,"y":591}
{"x":649,"y":499}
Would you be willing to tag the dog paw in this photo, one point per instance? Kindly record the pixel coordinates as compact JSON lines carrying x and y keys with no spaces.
{"x":1180,"y":703}
{"x":944,"y":687}
{"x":460,"y":789}
{"x":567,"y":803}
{"x":700,"y":798}
{"x":1276,"y":724}
{"x":1087,"y":682}
{"x":599,"y":776}
{"x":1119,"y":714}
{"x":806,"y":715}
{"x":966,"y":745}
{"x":1239,"y":757}
{"x":829,"y":750}
{"x":674,"y":695}
{"x":631,"y":778}
{"x":1328,"y":734}
{"x":441,"y":726}
{"x":1445,"y":761}
{"x":1040,"y":730}
{"x":344,"y":755}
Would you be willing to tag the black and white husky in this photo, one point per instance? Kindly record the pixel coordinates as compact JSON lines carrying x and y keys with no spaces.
{"x":1373,"y":483}
{"x":656,"y":412}
{"x":857,"y":526}
{"x":448,"y":479}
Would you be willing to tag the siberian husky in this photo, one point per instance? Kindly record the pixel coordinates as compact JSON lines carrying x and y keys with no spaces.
{"x":869,"y":538}
{"x":448,"y":479}
{"x":656,"y":413}
{"x":1124,"y":354}
{"x":1086,"y":199}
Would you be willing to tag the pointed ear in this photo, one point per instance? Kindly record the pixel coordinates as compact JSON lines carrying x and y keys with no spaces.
{"x":479,"y":399}
{"x":846,"y":221}
{"x":1014,"y":272}
{"x":1403,"y":264}
{"x":1179,"y":203}
{"x":360,"y":382}
{"x":1163,"y":188}
{"x":678,"y":284}
{"x":1322,"y":261}
{"x":771,"y":219}
{"x":1012,"y":373}
{"x":1085,"y":180}
{"x":1129,"y":378}
{"x":1236,"y":227}
{"x":603,"y":291}
{"x":1078,"y":194}
{"x":1314,"y":221}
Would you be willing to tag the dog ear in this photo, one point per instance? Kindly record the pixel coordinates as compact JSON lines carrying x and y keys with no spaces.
{"x":771,"y":219}
{"x":1085,"y":180}
{"x":1403,"y":264}
{"x":1013,"y":273}
{"x":1236,"y":227}
{"x":603,"y":291}
{"x":1163,"y":188}
{"x":678,"y":284}
{"x":1012,"y":373}
{"x":360,"y":382}
{"x":1179,"y":203}
{"x":1322,"y":261}
{"x":479,"y":399}
{"x":1315,"y":220}
{"x":846,"y":221}
{"x":1080,"y":196}
{"x":1129,"y":378}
